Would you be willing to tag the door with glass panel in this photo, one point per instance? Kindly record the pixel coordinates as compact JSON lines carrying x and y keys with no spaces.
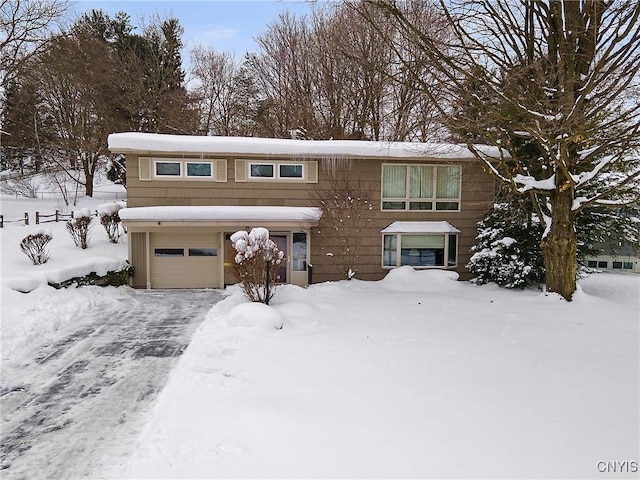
{"x":281,"y":240}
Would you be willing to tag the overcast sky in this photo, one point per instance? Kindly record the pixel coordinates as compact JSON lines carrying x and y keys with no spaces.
{"x":227,"y":26}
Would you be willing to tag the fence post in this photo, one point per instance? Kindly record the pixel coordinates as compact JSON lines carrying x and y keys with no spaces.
{"x":57,"y":215}
{"x":26,"y":218}
{"x":1,"y":221}
{"x":37,"y":217}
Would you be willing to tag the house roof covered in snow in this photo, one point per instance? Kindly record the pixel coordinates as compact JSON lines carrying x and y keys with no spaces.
{"x":222,"y":214}
{"x":420,"y":227}
{"x":218,"y":145}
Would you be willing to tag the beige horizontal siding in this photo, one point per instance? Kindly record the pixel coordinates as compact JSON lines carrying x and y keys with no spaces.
{"x":477,"y":197}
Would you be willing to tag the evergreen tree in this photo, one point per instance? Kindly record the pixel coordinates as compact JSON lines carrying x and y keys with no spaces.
{"x":507,"y":251}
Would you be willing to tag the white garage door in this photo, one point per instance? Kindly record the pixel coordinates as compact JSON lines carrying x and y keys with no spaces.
{"x":189,"y":259}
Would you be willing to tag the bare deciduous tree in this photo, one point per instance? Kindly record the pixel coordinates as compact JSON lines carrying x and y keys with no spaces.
{"x":551,"y":81}
{"x":25,"y":27}
{"x":225,"y":93}
{"x":75,"y":87}
{"x":334,"y":74}
{"x":346,"y":211}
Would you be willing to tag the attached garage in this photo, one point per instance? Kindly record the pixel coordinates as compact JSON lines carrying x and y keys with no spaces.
{"x":184,"y":247}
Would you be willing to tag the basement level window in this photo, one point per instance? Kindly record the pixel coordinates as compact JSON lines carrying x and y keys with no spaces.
{"x":168,"y":252}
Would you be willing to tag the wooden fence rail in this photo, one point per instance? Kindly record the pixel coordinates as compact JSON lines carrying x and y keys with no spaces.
{"x":54,"y":217}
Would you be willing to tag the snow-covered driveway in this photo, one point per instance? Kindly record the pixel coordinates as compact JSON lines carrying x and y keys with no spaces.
{"x":75,"y":398}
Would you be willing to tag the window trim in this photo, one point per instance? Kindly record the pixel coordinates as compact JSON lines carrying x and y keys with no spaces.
{"x":398,"y":250}
{"x":434,"y":200}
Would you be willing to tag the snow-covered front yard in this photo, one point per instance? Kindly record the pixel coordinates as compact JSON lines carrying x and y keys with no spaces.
{"x":414,"y":376}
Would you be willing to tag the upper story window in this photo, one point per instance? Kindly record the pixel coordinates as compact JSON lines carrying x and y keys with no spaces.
{"x":175,"y":169}
{"x":285,"y":171}
{"x":168,"y":169}
{"x":290,"y":170}
{"x":421,"y":187}
{"x":199,"y":169}
{"x":261,"y":170}
{"x":182,"y":169}
{"x":276,"y":170}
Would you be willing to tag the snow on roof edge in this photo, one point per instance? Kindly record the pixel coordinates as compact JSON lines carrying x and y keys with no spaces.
{"x":166,"y":143}
{"x":221,"y":213}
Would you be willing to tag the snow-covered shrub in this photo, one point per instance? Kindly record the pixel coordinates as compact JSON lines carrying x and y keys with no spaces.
{"x":34,"y":246}
{"x":258,"y":258}
{"x":110,"y":220}
{"x":79,"y":227}
{"x":507,"y":250}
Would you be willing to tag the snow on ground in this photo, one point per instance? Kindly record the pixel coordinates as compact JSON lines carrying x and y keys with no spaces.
{"x":23,"y":315}
{"x":67,"y":260}
{"x":413,"y":376}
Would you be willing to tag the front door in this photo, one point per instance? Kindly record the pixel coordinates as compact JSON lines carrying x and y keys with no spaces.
{"x":281,"y":242}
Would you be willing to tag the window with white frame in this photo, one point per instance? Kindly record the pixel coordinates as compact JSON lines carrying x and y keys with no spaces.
{"x":420,"y":245}
{"x":168,"y":169}
{"x":184,"y":169}
{"x":421,"y":187}
{"x":199,"y":169}
{"x":262,"y":170}
{"x":291,"y":170}
{"x":276,"y":170}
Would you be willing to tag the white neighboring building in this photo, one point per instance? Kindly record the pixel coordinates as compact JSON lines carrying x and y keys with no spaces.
{"x":624,"y":260}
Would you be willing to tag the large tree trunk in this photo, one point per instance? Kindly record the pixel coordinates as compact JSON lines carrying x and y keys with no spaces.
{"x":88,"y":180}
{"x":559,"y":246}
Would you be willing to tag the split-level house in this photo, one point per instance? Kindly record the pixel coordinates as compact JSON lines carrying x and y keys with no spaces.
{"x":417,"y":204}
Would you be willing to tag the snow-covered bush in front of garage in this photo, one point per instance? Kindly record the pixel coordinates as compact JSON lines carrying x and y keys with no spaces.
{"x":257,"y":261}
{"x":109,"y":216}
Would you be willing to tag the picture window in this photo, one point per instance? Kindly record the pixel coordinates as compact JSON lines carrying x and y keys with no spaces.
{"x":421,"y":187}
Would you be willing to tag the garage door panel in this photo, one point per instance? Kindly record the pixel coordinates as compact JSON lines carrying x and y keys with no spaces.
{"x":185,"y":261}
